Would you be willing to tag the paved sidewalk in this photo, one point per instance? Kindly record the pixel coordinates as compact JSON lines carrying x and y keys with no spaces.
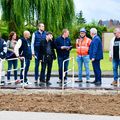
{"x":13,"y":115}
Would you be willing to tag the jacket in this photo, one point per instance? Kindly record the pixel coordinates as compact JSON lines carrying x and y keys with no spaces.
{"x":59,"y":42}
{"x":43,"y":50}
{"x":3,"y":49}
{"x":96,"y":50}
{"x":82,"y":46}
{"x":25,"y":49}
{"x":111,"y":48}
{"x":38,"y":38}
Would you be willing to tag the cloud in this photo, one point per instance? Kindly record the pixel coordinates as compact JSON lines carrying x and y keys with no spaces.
{"x":95,"y":9}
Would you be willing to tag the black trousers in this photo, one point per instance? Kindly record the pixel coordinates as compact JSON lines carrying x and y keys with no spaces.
{"x":46,"y":64}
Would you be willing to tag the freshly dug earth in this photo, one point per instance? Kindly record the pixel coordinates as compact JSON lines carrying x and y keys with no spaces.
{"x":72,"y":103}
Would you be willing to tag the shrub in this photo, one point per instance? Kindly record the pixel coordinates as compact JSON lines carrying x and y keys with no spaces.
{"x":74,"y":33}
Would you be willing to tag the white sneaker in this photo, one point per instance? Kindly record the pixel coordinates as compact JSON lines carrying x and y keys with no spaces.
{"x":24,"y":84}
{"x":8,"y":82}
{"x":29,"y":83}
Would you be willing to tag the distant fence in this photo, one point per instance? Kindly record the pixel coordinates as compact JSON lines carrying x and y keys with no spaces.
{"x":106,"y":38}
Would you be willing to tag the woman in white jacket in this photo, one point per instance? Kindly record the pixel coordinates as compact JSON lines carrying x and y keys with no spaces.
{"x":114,"y":54}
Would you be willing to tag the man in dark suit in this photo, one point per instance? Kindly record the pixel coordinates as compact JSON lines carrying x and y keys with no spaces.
{"x":47,"y":56}
{"x":96,"y":54}
{"x":63,"y":47}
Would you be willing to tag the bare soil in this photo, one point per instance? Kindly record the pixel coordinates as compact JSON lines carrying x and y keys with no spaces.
{"x":71,"y":103}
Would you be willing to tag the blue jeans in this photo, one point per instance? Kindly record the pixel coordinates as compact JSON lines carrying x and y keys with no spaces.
{"x":27,"y":64}
{"x":83,"y":60}
{"x":116,"y":64}
{"x":37,"y":62}
{"x":60,"y":67}
{"x":97,"y":70}
{"x":10,"y":63}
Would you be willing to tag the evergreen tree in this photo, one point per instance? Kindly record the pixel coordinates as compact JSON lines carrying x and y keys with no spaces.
{"x":80,"y":18}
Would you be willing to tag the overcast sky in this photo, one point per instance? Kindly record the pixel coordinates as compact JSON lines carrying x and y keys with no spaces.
{"x":98,"y":9}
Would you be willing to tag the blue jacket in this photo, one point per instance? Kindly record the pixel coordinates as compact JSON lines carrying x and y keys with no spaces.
{"x":25,"y":49}
{"x":60,"y":41}
{"x":3,"y":48}
{"x":38,"y":38}
{"x":96,"y":50}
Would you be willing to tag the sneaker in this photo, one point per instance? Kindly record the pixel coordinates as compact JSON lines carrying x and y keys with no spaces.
{"x":8,"y":82}
{"x":59,"y":81}
{"x":24,"y":84}
{"x":78,"y":80}
{"x":29,"y":83}
{"x":17,"y":81}
{"x":114,"y":83}
{"x":35,"y":81}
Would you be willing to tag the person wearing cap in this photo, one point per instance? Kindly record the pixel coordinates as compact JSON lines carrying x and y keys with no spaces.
{"x":47,"y":56}
{"x":82,"y":46}
{"x":96,"y":54}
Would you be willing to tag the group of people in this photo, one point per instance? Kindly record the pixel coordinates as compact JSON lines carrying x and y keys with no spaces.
{"x":42,"y":48}
{"x":88,"y":49}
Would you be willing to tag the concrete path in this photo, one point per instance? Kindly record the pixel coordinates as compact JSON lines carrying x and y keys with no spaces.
{"x":106,"y":84}
{"x":13,"y":115}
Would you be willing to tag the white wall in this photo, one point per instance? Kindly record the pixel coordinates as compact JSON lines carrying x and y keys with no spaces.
{"x":106,"y":38}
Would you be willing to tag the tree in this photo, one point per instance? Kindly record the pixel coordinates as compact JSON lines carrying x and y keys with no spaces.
{"x":80,"y":18}
{"x":56,"y":14}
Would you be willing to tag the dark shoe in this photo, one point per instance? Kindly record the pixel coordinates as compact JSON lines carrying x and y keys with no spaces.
{"x":48,"y":83}
{"x":59,"y":81}
{"x":93,"y":82}
{"x":87,"y":81}
{"x":2,"y":83}
{"x":35,"y":82}
{"x":98,"y":83}
{"x":42,"y":81}
{"x":42,"y":84}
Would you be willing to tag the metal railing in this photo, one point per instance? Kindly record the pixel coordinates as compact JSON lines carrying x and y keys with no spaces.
{"x":64,"y":72}
{"x":22,"y":68}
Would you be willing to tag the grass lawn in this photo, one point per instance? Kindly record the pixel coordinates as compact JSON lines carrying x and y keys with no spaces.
{"x":106,"y":65}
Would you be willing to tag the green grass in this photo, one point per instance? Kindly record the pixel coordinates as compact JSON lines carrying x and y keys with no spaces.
{"x":106,"y":65}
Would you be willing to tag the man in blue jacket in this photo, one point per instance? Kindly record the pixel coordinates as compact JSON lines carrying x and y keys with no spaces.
{"x":37,"y":37}
{"x":63,"y":47}
{"x":96,"y":54}
{"x":23,"y":49}
{"x":3,"y":52}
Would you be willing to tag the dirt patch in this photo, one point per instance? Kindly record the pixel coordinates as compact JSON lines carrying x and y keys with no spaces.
{"x":71,"y":103}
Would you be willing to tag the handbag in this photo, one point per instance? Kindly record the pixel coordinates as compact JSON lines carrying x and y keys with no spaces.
{"x":10,"y":54}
